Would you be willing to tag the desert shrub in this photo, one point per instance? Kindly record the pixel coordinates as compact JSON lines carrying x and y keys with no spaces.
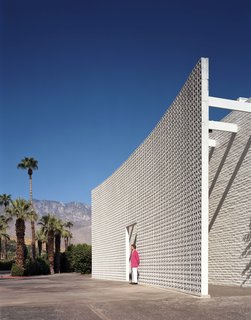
{"x":77,"y":258}
{"x":6,"y":265}
{"x":17,"y":270}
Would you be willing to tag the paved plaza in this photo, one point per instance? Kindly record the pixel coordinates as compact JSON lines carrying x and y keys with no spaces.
{"x":78,"y":297}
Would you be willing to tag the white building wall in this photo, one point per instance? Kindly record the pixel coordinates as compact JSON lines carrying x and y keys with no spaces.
{"x":161,"y":187}
{"x":230,"y":204}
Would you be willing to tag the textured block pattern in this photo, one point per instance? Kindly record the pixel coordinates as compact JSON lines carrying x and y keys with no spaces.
{"x":159,"y":188}
{"x":230,"y":204}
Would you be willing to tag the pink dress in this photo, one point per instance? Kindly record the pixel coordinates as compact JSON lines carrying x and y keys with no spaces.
{"x":134,"y":259}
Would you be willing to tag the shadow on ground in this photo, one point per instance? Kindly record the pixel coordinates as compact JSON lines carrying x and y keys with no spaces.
{"x":73,"y":296}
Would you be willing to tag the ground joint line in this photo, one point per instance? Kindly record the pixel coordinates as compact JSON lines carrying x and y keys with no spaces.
{"x":97,"y":312}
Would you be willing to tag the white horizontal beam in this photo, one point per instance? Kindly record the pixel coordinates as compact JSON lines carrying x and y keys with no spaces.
{"x":223,"y":126}
{"x":212,"y":143}
{"x":230,"y":104}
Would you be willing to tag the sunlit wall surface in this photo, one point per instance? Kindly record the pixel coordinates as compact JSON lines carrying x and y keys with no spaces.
{"x":160,"y":189}
{"x":230,"y":204}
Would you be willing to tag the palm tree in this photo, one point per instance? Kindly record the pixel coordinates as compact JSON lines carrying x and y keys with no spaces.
{"x":66,"y":234}
{"x":21,"y":210}
{"x":59,"y":228}
{"x":41,"y":238}
{"x":32,"y":218}
{"x":30,"y":164}
{"x":3,"y":235}
{"x":68,"y":224}
{"x":5,"y":201}
{"x":48,"y":223}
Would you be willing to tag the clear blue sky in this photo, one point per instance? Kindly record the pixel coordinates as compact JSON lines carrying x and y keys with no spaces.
{"x":84,"y":82}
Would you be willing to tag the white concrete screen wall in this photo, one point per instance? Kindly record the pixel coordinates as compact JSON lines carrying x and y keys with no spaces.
{"x":230,"y":204}
{"x":163,"y":189}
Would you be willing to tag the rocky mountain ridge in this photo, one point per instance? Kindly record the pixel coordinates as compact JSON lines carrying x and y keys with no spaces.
{"x":76,"y":212}
{"x":72,"y":211}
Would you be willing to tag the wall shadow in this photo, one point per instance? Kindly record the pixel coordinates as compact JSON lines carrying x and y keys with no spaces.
{"x":230,"y":143}
{"x":238,"y":165}
{"x":132,"y":231}
{"x":211,"y":152}
{"x":246,"y":253}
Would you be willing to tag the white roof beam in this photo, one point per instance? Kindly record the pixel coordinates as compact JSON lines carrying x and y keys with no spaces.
{"x":230,"y":104}
{"x":212,"y":143}
{"x":223,"y":126}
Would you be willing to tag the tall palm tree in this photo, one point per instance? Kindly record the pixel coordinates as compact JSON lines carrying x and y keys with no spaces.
{"x":41,"y":238}
{"x":5,"y":201}
{"x":32,"y":218}
{"x":21,"y":210}
{"x":48,"y":224}
{"x":30,"y":164}
{"x":59,"y":228}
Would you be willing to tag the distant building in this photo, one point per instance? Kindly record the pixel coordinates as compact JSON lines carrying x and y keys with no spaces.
{"x":183,"y":196}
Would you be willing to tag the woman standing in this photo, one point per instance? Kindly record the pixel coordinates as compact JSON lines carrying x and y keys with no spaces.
{"x":134,"y":264}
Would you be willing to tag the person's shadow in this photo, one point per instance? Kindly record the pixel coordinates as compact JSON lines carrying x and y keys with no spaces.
{"x":246,"y":253}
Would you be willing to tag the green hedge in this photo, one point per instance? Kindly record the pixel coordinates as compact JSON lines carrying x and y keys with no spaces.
{"x":38,"y":267}
{"x":77,"y":258}
{"x":5,"y":265}
{"x":17,"y":270}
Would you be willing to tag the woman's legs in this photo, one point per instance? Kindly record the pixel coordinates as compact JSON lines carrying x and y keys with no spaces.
{"x":134,"y":275}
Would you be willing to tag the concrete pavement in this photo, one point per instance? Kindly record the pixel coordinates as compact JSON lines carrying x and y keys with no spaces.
{"x":75,"y":297}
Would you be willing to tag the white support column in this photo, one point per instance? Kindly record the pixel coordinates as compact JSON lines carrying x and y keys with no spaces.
{"x":204,"y":179}
{"x":223,"y":126}
{"x":230,"y":104}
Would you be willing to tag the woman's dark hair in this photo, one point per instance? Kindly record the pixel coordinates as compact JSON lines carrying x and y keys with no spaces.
{"x":134,"y":246}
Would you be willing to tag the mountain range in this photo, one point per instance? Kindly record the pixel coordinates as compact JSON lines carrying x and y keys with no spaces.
{"x":76,"y":212}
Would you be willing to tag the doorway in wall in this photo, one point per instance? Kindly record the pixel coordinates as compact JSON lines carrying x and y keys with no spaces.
{"x":131,"y":238}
